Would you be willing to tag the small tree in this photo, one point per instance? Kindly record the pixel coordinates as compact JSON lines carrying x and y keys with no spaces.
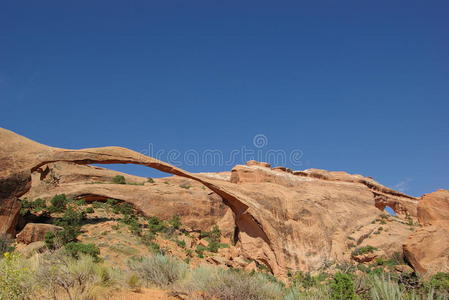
{"x":119,"y":179}
{"x":76,"y":249}
{"x":342,"y":287}
{"x":59,"y":202}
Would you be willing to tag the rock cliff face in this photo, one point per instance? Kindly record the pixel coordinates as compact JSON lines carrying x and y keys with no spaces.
{"x":20,"y":157}
{"x":428,"y":248}
{"x":288,"y":220}
{"x":198,"y":206}
{"x":308,"y":216}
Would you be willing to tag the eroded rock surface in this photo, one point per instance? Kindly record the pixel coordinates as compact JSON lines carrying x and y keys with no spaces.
{"x":428,"y":248}
{"x":34,"y":232}
{"x":197,"y":206}
{"x":288,"y":220}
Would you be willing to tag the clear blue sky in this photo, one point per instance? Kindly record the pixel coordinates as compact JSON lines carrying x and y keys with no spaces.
{"x":360,"y":86}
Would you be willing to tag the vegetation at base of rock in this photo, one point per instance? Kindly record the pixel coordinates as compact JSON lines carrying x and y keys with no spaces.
{"x":342,"y":287}
{"x":364,"y":250}
{"x":65,"y":275}
{"x":5,"y":245}
{"x":35,"y":206}
{"x":374,"y":280}
{"x":76,"y":249}
{"x":119,"y":179}
{"x":158,"y":270}
{"x":440,"y":282}
{"x":58,"y":203}
{"x":232,"y":284}
{"x":213,"y":235}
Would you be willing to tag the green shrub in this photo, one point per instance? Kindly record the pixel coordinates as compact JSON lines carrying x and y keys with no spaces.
{"x":363,"y":250}
{"x":59,"y":202}
{"x":15,"y":277}
{"x":123,"y":208}
{"x":76,"y":249}
{"x":32,"y":206}
{"x":133,"y":282}
{"x":155,"y":225}
{"x":154,"y":247}
{"x":57,"y":239}
{"x":50,"y":240}
{"x":97,"y":204}
{"x":150,"y":180}
{"x":133,"y":224}
{"x":342,"y":287}
{"x":303,"y":279}
{"x":158,"y":270}
{"x":200,"y":250}
{"x":222,"y":284}
{"x":180,"y":243}
{"x":383,"y":288}
{"x":80,"y":202}
{"x":440,"y":282}
{"x":111,"y":202}
{"x":147,"y":237}
{"x":90,"y":210}
{"x":213,"y":246}
{"x":119,"y":179}
{"x":398,"y":258}
{"x":175,"y":222}
{"x":185,"y":186}
{"x":213,"y":235}
{"x":59,"y":276}
{"x":70,"y":218}
{"x":5,"y":245}
{"x":68,"y":234}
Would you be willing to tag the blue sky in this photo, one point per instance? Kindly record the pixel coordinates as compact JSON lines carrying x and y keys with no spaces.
{"x":360,"y":86}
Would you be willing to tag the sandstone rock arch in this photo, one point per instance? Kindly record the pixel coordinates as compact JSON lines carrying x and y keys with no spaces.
{"x":19,"y":157}
{"x":288,"y":220}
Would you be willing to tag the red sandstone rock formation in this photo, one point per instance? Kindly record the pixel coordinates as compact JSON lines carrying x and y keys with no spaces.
{"x":428,"y":248}
{"x":197,"y":206}
{"x":289,"y":220}
{"x":34,"y":232}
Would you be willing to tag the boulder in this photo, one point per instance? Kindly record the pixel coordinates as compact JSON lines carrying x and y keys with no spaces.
{"x":252,"y":266}
{"x":33,"y":232}
{"x":32,"y":248}
{"x":427,"y":249}
{"x":404,"y":269}
{"x":433,"y":208}
{"x":368,"y":257}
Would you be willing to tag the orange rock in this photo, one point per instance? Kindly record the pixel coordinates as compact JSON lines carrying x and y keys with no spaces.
{"x":428,"y":248}
{"x":258,"y":163}
{"x":368,"y":257}
{"x":252,"y":266}
{"x":433,"y":208}
{"x":279,"y":217}
{"x":33,"y":232}
{"x":197,"y":207}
